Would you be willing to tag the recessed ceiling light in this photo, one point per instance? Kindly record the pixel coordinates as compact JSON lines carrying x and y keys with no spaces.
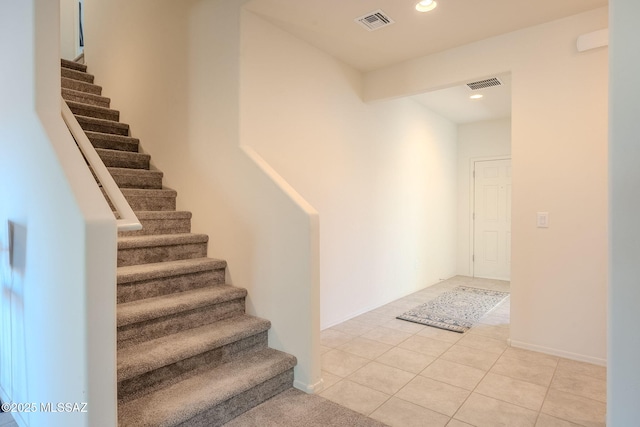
{"x":426,"y":5}
{"x":476,"y":96}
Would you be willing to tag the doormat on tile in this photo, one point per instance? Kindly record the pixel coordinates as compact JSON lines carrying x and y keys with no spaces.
{"x":455,"y":310}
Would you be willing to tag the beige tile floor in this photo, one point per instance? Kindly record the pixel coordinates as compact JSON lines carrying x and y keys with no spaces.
{"x":405,"y":374}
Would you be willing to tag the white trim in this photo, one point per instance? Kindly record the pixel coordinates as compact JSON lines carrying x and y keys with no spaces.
{"x":472,"y":206}
{"x":128,"y":220}
{"x":506,"y":279}
{"x":560,"y":353}
{"x":309,"y":388}
{"x":593,"y":40}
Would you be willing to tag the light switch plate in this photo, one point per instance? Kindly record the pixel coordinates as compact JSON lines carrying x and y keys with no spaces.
{"x":542,"y":219}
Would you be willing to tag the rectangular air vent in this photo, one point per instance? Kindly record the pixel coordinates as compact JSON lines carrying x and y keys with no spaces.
{"x":374,"y":20}
{"x":483,"y":84}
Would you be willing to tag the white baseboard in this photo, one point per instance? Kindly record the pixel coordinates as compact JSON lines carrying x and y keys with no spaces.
{"x":559,"y":353}
{"x":309,"y":388}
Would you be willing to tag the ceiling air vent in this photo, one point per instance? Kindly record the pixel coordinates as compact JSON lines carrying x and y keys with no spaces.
{"x":483,"y":84}
{"x":374,"y":20}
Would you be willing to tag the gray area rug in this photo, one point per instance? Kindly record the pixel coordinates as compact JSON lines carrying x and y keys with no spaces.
{"x":294,"y":408}
{"x":455,"y":310}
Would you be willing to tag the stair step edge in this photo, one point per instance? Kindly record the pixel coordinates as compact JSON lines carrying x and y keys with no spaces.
{"x":104,"y":122}
{"x":182,"y":401}
{"x":65,"y":63}
{"x":81,"y":76}
{"x":123,"y":153}
{"x":91,"y":107}
{"x":110,"y":136}
{"x":153,"y":308}
{"x":132,"y":171}
{"x":137,"y":273}
{"x":163,"y":214}
{"x":80,"y":94}
{"x":124,"y":159}
{"x":146,"y":192}
{"x":133,"y":242}
{"x":84,"y":86}
{"x":147,"y":356}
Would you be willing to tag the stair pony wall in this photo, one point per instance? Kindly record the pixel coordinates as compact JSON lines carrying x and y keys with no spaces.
{"x":57,"y":324}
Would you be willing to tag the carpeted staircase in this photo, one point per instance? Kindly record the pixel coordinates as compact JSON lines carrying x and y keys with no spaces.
{"x":188,"y":355}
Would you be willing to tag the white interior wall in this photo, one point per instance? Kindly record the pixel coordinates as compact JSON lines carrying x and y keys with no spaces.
{"x":172,"y":69}
{"x":559,"y":160}
{"x":489,"y":138}
{"x":69,"y":32}
{"x":57,"y":298}
{"x":623,"y":387}
{"x":382,"y":176}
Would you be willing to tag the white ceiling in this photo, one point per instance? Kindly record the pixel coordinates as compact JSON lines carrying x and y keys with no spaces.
{"x":329,"y":25}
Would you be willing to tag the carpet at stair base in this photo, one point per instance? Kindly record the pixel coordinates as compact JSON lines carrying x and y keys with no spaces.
{"x":213,"y":397}
{"x":294,"y":408}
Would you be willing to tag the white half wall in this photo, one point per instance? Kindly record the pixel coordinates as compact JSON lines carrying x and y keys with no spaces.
{"x":559,"y":160}
{"x":490,"y":138}
{"x":58,"y":265}
{"x":623,"y":387}
{"x":172,"y":69}
{"x":69,"y":29}
{"x":382,"y":176}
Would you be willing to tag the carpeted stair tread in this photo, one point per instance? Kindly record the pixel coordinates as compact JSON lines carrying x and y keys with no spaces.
{"x":85,"y":98}
{"x":182,"y":401}
{"x":149,"y":355}
{"x":163,"y":214}
{"x":141,"y":281}
{"x":81,"y":86}
{"x":113,"y":142}
{"x":131,"y":242}
{"x":143,"y":249}
{"x":65,"y":63}
{"x":147,"y":200}
{"x":123,"y":159}
{"x":89,"y":110}
{"x":161,"y":222}
{"x":136,"y":178}
{"x":152,"y":308}
{"x":296,"y":408}
{"x":136,"y":273}
{"x":82,"y":76}
{"x":93,"y":124}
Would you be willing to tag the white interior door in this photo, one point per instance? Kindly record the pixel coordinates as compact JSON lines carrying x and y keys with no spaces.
{"x":492,"y":219}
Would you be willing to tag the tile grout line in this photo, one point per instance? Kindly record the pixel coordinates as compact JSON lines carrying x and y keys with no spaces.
{"x":547,"y":392}
{"x":476,"y":386}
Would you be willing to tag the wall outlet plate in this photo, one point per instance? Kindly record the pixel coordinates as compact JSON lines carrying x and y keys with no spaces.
{"x":542,"y":219}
